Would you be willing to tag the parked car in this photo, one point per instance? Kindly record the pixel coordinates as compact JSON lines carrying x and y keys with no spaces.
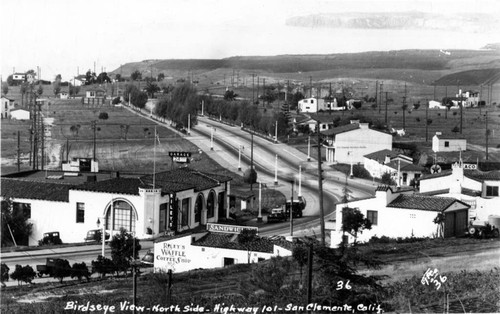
{"x":277,"y":215}
{"x":148,"y":259}
{"x":484,"y":230}
{"x":50,"y":238}
{"x":95,"y":235}
{"x":46,"y":269}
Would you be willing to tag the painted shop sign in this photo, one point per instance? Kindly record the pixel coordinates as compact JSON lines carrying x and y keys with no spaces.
{"x":229,"y":228}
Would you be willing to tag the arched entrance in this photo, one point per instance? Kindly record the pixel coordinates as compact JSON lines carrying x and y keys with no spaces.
{"x":211,"y":201}
{"x":198,"y":208}
{"x":119,"y":215}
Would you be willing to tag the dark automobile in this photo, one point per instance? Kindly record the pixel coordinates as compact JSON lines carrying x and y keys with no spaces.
{"x":95,"y":235}
{"x":297,"y":208}
{"x":277,"y":215}
{"x":50,"y":238}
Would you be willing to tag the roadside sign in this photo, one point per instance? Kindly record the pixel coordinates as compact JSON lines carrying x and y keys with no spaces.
{"x":229,"y":228}
{"x":179,"y":154}
{"x":470,"y":166}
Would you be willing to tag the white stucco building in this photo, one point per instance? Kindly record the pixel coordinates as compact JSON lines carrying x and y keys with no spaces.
{"x":217,"y":247}
{"x":7,"y":105}
{"x":478,"y":189}
{"x":20,"y":114}
{"x":448,"y":143}
{"x":401,"y":167}
{"x":350,"y":143}
{"x":395,"y":214}
{"x":180,"y":199}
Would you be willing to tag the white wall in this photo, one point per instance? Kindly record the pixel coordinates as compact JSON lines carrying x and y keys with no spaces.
{"x":454,"y":145}
{"x":179,"y":255}
{"x":360,"y":142}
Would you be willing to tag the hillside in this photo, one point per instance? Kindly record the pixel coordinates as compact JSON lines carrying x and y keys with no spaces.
{"x":427,"y":65}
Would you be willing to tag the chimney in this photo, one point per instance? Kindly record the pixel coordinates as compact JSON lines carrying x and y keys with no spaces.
{"x":387,"y":159}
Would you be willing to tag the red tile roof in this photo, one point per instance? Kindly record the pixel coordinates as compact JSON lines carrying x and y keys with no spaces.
{"x":340,"y":129}
{"x":421,"y":202}
{"x":15,"y":188}
{"x":230,"y":241}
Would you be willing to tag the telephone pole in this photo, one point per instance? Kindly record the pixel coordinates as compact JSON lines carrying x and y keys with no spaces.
{"x":386,"y":107}
{"x":487,"y":133}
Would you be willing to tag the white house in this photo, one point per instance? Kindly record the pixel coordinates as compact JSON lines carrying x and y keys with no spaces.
{"x":350,"y":143}
{"x":389,"y":161}
{"x":395,"y":214}
{"x":20,"y":114}
{"x":180,"y":199}
{"x":21,"y":77}
{"x":63,"y":95}
{"x":478,"y":189}
{"x":311,"y":105}
{"x":436,"y":105}
{"x":325,"y":122}
{"x":6,"y":106}
{"x":95,"y":93}
{"x":216,"y":248}
{"x":448,"y":143}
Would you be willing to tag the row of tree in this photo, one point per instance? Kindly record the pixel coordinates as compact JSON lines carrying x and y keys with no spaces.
{"x":124,"y":249}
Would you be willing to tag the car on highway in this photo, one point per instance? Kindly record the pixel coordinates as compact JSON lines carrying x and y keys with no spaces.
{"x":95,"y":235}
{"x":277,"y":215}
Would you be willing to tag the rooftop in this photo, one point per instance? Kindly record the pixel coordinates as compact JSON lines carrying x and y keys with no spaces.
{"x":381,"y":154}
{"x":482,"y":176}
{"x":341,"y":129}
{"x":422,"y":202}
{"x":230,"y":241}
{"x":15,"y":188}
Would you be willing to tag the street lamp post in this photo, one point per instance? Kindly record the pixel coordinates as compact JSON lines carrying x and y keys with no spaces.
{"x":103,"y":233}
{"x":239,"y":157}
{"x":300,"y":181}
{"x":259,"y":217}
{"x":212,"y":139}
{"x":309,"y":148}
{"x":276,"y":170}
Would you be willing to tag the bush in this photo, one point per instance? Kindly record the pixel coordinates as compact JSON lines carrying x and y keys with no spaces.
{"x":103,"y":266}
{"x":80,"y":270}
{"x":116,"y":101}
{"x":23,"y":273}
{"x":359,"y":171}
{"x":387,"y":179}
{"x":61,"y":269}
{"x":103,"y":116}
{"x":4,"y":275}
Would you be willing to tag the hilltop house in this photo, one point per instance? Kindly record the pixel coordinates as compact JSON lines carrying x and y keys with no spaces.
{"x":20,"y":114}
{"x":178,"y":200}
{"x":350,"y":143}
{"x":448,"y":143}
{"x":396,"y":213}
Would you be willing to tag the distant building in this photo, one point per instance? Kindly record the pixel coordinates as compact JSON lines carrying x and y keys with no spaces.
{"x":325,"y":122}
{"x":7,"y":105}
{"x":395,"y":214}
{"x":388,"y":161}
{"x":448,"y":143}
{"x":20,"y":114}
{"x":63,"y":95}
{"x":19,"y":77}
{"x":216,"y":248}
{"x":350,"y":143}
{"x":311,"y":105}
{"x":95,"y":93}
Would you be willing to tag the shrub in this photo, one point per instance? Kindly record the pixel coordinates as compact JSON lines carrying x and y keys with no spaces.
{"x":4,"y":275}
{"x":103,"y":116}
{"x":23,"y":273}
{"x":387,"y":179}
{"x":116,"y":101}
{"x":80,"y":270}
{"x":103,"y":266}
{"x":61,"y":269}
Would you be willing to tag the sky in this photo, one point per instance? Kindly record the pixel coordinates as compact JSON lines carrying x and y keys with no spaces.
{"x":63,"y":37}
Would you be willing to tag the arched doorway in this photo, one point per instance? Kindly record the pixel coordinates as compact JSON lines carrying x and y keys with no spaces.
{"x":198,"y":208}
{"x":120,"y":215}
{"x":211,"y":200}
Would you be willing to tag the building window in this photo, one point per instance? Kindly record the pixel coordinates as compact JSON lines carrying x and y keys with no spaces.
{"x":24,"y":208}
{"x":446,"y":144}
{"x":185,"y":212}
{"x":211,"y":205}
{"x":491,"y":190}
{"x":228,"y":261}
{"x":198,"y":207}
{"x":413,"y":216}
{"x":121,"y":215}
{"x":372,"y":216}
{"x":80,"y":212}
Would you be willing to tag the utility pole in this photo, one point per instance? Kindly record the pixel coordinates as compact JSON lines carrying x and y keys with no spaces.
{"x":427,"y":121}
{"x":380,"y":95}
{"x":93,"y":126}
{"x":19,"y":151}
{"x":264,"y":93}
{"x":487,"y":133}
{"x":253,"y":89}
{"x":386,"y":107}
{"x":320,"y":187}
{"x":251,"y":163}
{"x":404,"y":110}
{"x":310,"y":86}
